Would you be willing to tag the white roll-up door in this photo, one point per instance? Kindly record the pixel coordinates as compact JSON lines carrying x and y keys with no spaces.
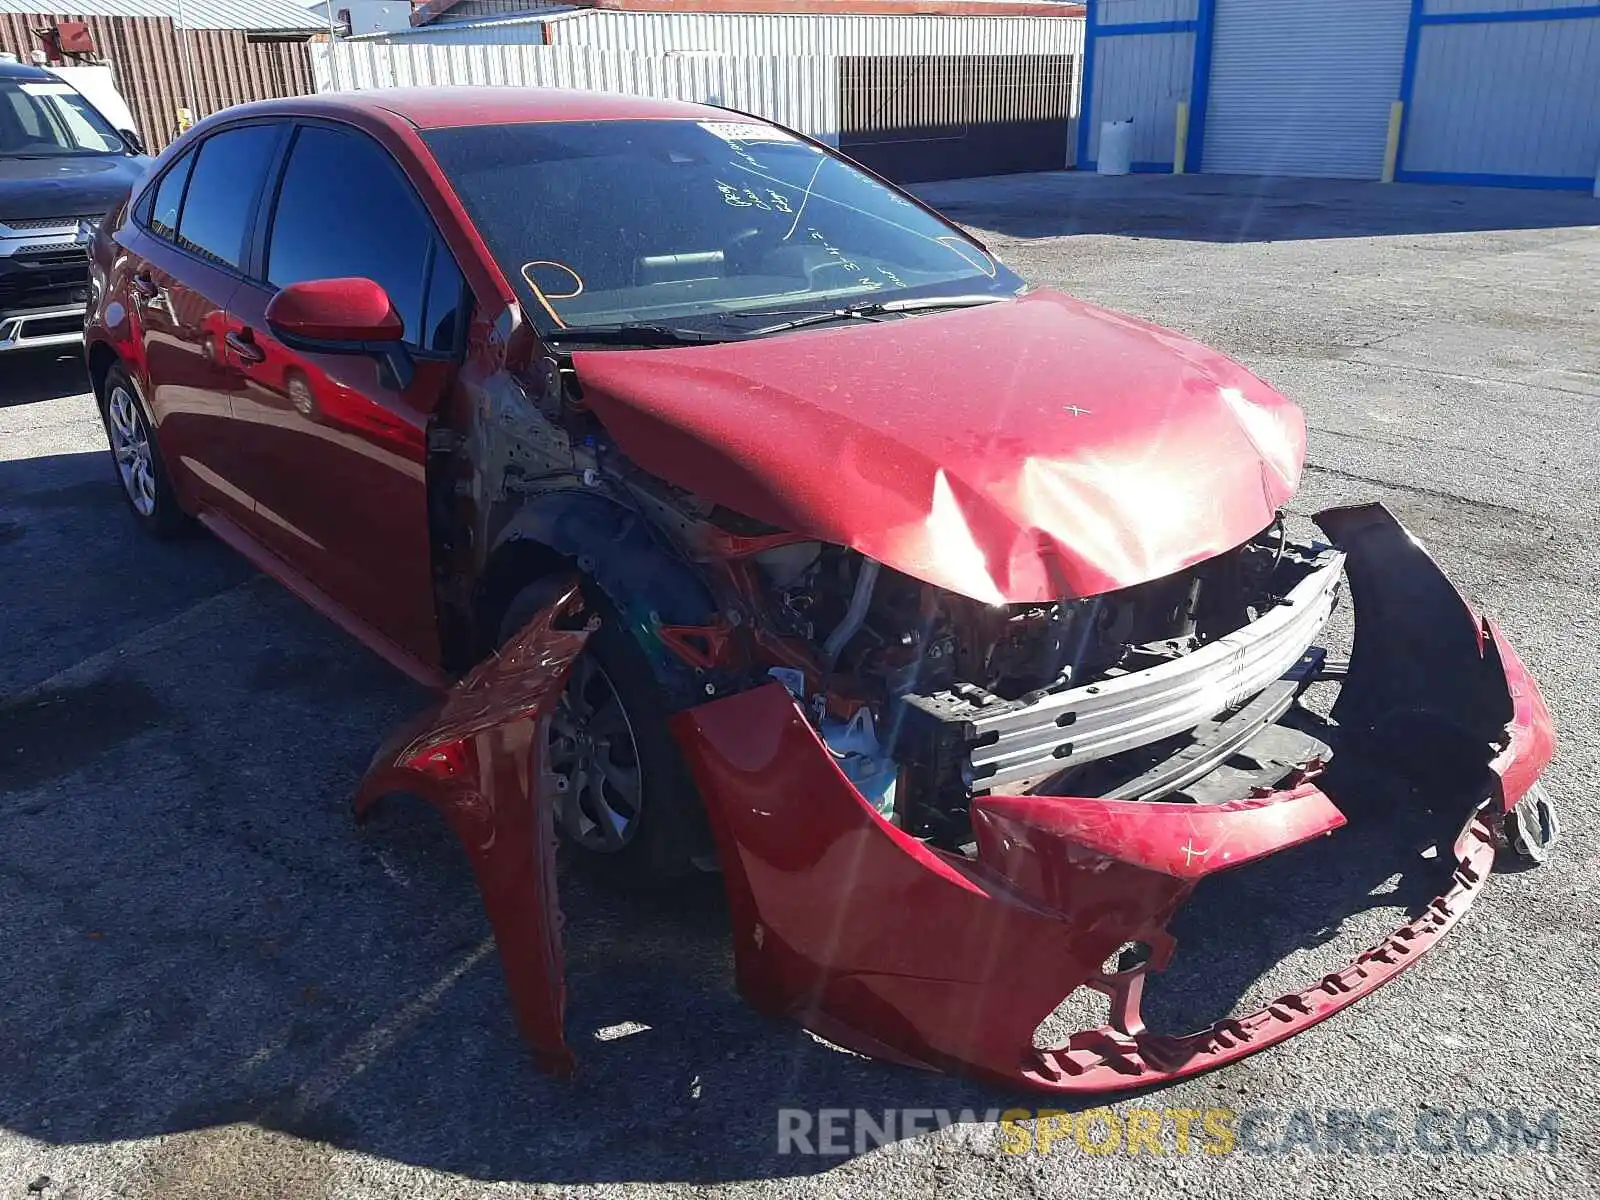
{"x":1303,"y":87}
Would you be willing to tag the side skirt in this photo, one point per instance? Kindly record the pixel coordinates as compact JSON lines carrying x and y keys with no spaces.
{"x":231,"y":535}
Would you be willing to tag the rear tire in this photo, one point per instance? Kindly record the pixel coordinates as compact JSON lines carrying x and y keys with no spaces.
{"x":610,"y":737}
{"x":136,"y":459}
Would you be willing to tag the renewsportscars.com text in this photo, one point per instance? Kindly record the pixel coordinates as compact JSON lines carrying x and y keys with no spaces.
{"x":838,"y":1132}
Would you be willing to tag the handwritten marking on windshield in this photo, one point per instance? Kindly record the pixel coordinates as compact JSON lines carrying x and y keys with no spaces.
{"x":806,"y":199}
{"x":544,"y":297}
{"x":845,"y":262}
{"x":739,"y":197}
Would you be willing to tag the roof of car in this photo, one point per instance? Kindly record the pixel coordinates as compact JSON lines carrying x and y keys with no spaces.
{"x":21,"y":70}
{"x":449,"y":107}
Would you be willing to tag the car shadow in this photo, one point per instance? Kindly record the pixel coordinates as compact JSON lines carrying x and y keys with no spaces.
{"x":29,"y":376}
{"x":79,"y":579}
{"x":200,"y":938}
{"x":1218,"y":208}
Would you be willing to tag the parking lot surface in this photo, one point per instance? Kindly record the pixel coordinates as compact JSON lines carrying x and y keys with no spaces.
{"x":215,"y":985}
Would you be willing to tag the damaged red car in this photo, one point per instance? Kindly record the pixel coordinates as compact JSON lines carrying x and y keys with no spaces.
{"x":750,"y":517}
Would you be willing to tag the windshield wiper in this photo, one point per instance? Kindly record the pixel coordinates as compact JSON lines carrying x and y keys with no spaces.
{"x":633,"y":335}
{"x":870,"y":311}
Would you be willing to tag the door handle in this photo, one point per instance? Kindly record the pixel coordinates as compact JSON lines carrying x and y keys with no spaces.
{"x":243,"y":343}
{"x":145,"y":286}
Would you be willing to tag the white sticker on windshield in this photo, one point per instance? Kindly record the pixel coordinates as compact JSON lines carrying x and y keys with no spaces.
{"x":49,"y":89}
{"x":746,"y":131}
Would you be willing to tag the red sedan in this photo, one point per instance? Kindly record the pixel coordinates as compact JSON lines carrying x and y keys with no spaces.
{"x":749,"y":516}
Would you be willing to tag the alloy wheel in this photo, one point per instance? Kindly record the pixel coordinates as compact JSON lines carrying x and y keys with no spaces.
{"x":130,"y":445}
{"x":593,"y":750}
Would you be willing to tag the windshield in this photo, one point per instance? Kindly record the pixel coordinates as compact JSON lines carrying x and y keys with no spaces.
{"x":602,"y":222}
{"x":47,"y":118}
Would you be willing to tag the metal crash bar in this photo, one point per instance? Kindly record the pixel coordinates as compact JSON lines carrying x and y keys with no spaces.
{"x":1024,"y":746}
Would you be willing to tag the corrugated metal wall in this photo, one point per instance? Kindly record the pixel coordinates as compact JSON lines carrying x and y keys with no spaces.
{"x":1505,"y":101}
{"x":778,"y":35}
{"x":1481,"y":6}
{"x":767,"y":37}
{"x":770,"y":35}
{"x":251,"y":16}
{"x":802,"y":93}
{"x":914,"y":118}
{"x":475,"y":10}
{"x":522,"y":31}
{"x":482,"y":22}
{"x":148,"y":56}
{"x":1141,"y":67}
{"x":1113,"y":13}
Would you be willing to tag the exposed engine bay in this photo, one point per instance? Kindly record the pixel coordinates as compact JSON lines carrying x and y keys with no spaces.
{"x":928,"y":698}
{"x":917,"y":683}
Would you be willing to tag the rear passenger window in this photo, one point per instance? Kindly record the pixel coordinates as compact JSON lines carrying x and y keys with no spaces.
{"x":344,"y":209}
{"x":223,"y":189}
{"x":163,"y":210}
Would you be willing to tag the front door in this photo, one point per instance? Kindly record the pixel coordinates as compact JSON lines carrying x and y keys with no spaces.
{"x":333,"y":454}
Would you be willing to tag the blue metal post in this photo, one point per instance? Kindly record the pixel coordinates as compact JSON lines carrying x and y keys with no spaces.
{"x":1087,"y":91}
{"x":1408,"y":81}
{"x":1200,"y":85}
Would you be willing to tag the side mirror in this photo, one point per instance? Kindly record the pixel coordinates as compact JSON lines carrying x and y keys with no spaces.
{"x":132,"y":139}
{"x":343,"y":316}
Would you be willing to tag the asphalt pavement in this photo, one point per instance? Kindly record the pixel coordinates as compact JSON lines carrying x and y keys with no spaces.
{"x":215,"y":985}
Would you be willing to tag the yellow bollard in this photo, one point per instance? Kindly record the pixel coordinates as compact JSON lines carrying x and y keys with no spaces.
{"x":1180,"y":150}
{"x":1391,"y":151}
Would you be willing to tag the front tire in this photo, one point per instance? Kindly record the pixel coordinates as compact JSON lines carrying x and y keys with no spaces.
{"x":629,"y":810}
{"x":136,"y":459}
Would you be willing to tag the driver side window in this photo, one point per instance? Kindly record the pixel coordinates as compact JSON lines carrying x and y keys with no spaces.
{"x":345,"y":209}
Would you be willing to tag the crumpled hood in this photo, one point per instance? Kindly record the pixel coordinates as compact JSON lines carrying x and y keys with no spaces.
{"x":1016,"y":452}
{"x":84,"y":185}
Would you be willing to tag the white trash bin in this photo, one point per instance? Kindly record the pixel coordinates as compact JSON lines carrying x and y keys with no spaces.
{"x":1116,"y":148}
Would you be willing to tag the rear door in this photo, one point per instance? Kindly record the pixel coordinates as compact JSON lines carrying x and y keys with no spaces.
{"x":187,"y":245}
{"x":335,"y":456}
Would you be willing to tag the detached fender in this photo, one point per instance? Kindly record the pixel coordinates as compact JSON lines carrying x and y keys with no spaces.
{"x":478,"y":758}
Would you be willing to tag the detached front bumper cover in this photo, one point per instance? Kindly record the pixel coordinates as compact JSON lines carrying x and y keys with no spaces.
{"x":887,"y":946}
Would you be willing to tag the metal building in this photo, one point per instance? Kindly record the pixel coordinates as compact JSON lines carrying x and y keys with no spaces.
{"x":1501,"y":92}
{"x":938,"y":94}
{"x":1018,"y":28}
